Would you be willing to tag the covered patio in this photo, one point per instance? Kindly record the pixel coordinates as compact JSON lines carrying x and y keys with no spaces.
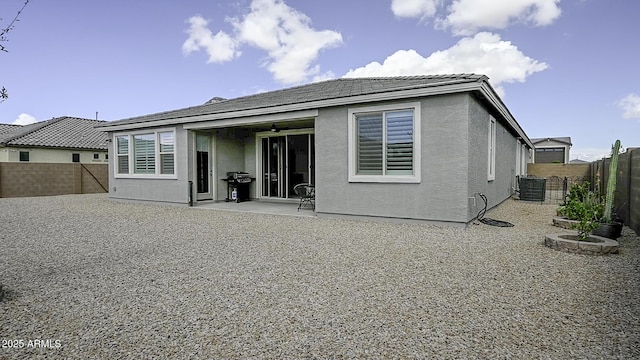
{"x":277,"y":153}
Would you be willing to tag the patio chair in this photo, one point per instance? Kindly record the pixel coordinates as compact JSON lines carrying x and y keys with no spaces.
{"x":307,"y":194}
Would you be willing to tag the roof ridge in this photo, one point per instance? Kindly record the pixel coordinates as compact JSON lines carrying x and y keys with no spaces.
{"x":392,"y":77}
{"x":41,"y":125}
{"x":79,"y":118}
{"x":37,"y":126}
{"x":425,"y":76}
{"x":321,"y":90}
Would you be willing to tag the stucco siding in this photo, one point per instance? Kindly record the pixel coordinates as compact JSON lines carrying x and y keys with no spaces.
{"x":229,"y":156}
{"x":441,"y":194}
{"x":47,"y":155}
{"x":551,"y":143}
{"x":501,"y":188}
{"x":250,"y":163}
{"x":161,"y":190}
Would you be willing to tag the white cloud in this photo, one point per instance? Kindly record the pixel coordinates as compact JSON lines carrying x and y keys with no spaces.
{"x":630,"y":106}
{"x":485,"y":53}
{"x":466,"y":17}
{"x":292,"y":45}
{"x":329,"y":75}
{"x":220,"y":47}
{"x":589,"y":154}
{"x":415,"y":8}
{"x":24,"y":119}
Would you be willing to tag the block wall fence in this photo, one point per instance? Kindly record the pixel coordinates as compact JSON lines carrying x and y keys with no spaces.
{"x":44,"y":179}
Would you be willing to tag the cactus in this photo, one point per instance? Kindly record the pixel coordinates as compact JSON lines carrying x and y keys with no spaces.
{"x":611,"y":184}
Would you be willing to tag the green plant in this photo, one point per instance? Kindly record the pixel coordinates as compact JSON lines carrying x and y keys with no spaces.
{"x":585,"y":206}
{"x":588,"y":213}
{"x":574,"y":204}
{"x":611,"y":184}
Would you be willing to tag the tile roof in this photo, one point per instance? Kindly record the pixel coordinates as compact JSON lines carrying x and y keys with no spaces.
{"x":325,"y":90}
{"x":62,"y":132}
{"x":8,"y":128}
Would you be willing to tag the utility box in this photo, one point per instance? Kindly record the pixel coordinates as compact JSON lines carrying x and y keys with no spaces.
{"x":532,"y":188}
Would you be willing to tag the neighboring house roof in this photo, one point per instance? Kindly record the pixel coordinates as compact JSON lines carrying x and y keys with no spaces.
{"x":577,"y":161}
{"x":62,"y":132}
{"x":7,"y":128}
{"x":328,"y":93}
{"x":563,"y":140}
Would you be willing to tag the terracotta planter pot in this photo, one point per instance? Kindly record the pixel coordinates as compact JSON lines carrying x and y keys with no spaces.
{"x":611,"y":231}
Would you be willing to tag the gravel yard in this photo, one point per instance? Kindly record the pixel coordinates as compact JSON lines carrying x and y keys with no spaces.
{"x":92,"y":278}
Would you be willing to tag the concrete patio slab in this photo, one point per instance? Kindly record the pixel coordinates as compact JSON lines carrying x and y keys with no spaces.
{"x":289,"y":208}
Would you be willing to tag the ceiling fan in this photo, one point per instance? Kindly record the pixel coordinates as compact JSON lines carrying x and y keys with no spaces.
{"x":274,"y":128}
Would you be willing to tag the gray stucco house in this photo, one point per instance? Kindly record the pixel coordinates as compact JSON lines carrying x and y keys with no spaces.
{"x":395,"y":148}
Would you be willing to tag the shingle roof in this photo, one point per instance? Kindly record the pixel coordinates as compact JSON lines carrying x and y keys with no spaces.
{"x":63,"y":132}
{"x":326,"y":90}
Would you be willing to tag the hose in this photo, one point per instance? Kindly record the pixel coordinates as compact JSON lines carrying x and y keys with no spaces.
{"x":480,"y":217}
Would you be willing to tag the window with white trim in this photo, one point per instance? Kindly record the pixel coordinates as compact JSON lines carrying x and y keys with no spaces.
{"x":166,"y":149}
{"x":145,"y":154}
{"x":518,"y":158}
{"x":384,"y":144}
{"x":491,"y":163}
{"x":523,"y":162}
{"x":122,"y":154}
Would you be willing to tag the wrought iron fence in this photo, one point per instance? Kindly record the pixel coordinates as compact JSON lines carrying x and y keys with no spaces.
{"x":558,"y":187}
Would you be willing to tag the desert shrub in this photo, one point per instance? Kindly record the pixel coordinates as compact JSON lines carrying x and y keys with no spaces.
{"x":579,"y":200}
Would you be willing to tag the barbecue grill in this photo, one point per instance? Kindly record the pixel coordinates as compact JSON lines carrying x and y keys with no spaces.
{"x":238,"y":182}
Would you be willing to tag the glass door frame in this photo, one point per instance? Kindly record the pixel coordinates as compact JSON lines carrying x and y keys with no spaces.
{"x":208,"y":195}
{"x":283,"y":171}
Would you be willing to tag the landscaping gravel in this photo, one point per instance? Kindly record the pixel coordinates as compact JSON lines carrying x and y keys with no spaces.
{"x":86,"y":277}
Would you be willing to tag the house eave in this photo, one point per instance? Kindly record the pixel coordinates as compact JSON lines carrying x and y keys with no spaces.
{"x":541,"y":141}
{"x":256,"y":119}
{"x":310,"y":109}
{"x":53,"y":147}
{"x":493,"y":98}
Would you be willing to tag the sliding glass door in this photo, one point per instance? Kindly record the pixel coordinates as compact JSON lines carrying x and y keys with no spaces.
{"x":287,"y":160}
{"x":273,"y":151}
{"x":203,"y":167}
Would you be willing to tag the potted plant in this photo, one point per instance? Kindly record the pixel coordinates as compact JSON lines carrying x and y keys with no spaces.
{"x":609,"y":227}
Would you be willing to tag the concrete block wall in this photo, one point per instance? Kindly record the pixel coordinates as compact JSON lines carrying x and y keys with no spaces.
{"x":42,"y":179}
{"x":560,"y":170}
{"x":627,"y":195}
{"x":95,"y":178}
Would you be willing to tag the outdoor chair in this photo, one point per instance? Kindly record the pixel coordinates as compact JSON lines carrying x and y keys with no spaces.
{"x":307,"y":194}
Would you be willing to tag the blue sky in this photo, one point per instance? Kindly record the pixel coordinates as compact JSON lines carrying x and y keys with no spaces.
{"x":563,"y":67}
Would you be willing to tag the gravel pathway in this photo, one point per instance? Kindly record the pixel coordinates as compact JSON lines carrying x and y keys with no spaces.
{"x":85,"y":277}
